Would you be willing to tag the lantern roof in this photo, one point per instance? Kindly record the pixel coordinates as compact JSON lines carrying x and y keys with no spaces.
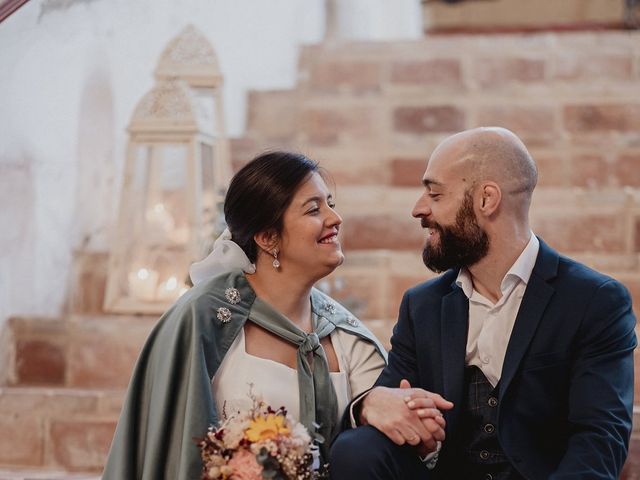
{"x":168,"y":107}
{"x":191,"y":57}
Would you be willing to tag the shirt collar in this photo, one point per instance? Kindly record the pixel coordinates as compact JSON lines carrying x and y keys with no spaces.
{"x":520,"y":270}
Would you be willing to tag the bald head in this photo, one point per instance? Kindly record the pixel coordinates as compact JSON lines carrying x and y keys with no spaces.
{"x":492,"y":154}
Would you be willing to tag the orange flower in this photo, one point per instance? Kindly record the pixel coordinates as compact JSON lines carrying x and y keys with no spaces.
{"x":266,"y":427}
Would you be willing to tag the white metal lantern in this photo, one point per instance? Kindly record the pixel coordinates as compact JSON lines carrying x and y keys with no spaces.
{"x":176,"y":173}
{"x":168,"y":202}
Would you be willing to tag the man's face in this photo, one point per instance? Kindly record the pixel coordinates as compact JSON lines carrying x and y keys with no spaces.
{"x":445,"y":208}
{"x":458,"y":245}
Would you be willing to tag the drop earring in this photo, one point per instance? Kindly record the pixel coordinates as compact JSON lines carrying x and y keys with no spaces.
{"x":276,"y":262}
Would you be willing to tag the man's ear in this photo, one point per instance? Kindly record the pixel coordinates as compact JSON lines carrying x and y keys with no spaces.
{"x":267,"y":241}
{"x":490,"y":197}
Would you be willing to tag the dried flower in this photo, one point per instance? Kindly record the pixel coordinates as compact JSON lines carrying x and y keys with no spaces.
{"x":245,"y":466}
{"x":259,"y":443}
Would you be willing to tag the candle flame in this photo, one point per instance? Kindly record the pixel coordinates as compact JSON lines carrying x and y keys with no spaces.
{"x":143,"y":274}
{"x":172,"y":283}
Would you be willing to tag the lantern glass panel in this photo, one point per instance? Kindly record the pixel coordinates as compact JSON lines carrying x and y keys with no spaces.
{"x":204,"y":101}
{"x":157,"y":218}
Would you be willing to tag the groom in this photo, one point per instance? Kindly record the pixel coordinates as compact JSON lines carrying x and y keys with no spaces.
{"x":534,"y":349}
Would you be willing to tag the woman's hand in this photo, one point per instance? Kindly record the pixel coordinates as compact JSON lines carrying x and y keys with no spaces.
{"x":407,"y":415}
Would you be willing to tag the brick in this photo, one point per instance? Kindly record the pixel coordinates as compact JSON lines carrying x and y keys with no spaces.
{"x":626,"y":170}
{"x":574,"y":232}
{"x":274,"y":114}
{"x":552,"y":171}
{"x":22,"y":440}
{"x":40,"y":362}
{"x":79,"y":445}
{"x":428,"y":119}
{"x":407,"y":172}
{"x":392,"y":232}
{"x":531,"y":124}
{"x":442,"y":71}
{"x":329,"y":126}
{"x":494,"y":72}
{"x":47,"y":401}
{"x":602,"y":118}
{"x":357,"y":76}
{"x":593,"y":67}
{"x":102,"y":361}
{"x":589,"y":170}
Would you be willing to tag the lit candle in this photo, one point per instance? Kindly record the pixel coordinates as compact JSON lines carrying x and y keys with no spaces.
{"x":168,"y":290}
{"x":142,"y":283}
{"x":159,"y":216}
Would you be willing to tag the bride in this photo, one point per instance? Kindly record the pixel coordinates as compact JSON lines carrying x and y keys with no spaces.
{"x":252,"y":321}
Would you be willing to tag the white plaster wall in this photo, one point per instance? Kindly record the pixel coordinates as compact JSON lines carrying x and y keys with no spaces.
{"x":72,"y":72}
{"x":379,"y":19}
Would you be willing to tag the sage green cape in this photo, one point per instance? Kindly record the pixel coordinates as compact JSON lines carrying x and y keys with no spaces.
{"x":169,"y":403}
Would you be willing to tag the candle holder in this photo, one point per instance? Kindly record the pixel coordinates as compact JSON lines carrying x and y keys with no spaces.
{"x":176,"y":172}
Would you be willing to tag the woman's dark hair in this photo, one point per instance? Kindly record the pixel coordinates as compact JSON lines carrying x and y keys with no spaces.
{"x":260,"y":193}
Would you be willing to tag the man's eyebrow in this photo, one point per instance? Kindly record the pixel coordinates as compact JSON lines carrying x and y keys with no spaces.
{"x":427,"y":182}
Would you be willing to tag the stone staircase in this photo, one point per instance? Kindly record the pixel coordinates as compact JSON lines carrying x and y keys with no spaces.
{"x":370,"y":113}
{"x":64,"y":393}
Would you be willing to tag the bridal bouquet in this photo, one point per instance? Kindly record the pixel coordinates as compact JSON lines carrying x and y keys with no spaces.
{"x":260,"y":443}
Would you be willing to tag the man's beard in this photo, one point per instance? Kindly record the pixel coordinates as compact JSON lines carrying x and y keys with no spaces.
{"x":460,"y":245}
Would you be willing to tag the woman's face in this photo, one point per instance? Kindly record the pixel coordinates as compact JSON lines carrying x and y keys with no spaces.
{"x":309,"y":243}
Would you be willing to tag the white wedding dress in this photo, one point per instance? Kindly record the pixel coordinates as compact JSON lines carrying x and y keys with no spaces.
{"x":277,"y":384}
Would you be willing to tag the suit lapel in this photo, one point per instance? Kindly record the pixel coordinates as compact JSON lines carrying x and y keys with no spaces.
{"x":534,"y":302}
{"x":454,"y":325}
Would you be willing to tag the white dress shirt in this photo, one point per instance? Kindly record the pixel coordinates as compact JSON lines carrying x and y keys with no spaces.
{"x":490,"y":324}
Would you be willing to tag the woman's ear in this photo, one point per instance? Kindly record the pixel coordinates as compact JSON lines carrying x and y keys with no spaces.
{"x":267,"y":241}
{"x":490,"y":198}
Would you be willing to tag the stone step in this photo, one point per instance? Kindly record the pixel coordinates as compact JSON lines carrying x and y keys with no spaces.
{"x":57,"y":430}
{"x":79,"y":351}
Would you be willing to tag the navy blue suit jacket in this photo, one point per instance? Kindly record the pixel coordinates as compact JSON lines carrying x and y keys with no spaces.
{"x":566,"y":390}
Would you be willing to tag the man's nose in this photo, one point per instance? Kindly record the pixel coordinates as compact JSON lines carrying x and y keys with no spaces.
{"x":422,"y":208}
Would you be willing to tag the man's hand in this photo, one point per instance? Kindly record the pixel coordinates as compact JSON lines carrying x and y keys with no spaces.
{"x":406,"y":415}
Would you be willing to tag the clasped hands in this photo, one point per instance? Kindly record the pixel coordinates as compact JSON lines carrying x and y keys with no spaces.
{"x":407,"y":415}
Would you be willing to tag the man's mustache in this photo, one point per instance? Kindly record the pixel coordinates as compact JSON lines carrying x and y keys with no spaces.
{"x":427,"y":224}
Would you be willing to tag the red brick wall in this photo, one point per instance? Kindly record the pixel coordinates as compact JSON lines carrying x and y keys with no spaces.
{"x":371,"y":113}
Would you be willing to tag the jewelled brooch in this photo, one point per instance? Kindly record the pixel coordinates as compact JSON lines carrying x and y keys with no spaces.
{"x":232,"y":295}
{"x":224,"y":314}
